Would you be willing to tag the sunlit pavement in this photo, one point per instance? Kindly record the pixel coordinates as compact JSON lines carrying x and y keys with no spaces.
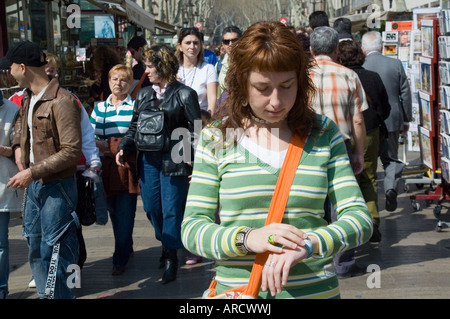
{"x":411,"y":261}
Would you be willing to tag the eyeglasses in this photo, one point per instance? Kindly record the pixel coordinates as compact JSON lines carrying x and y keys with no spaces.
{"x":228,"y":41}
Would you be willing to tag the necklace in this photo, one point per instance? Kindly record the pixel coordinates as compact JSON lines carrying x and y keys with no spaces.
{"x":193,"y":77}
{"x":257,"y":119}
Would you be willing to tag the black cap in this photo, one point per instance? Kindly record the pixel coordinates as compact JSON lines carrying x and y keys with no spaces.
{"x":23,"y":52}
{"x":345,"y":36}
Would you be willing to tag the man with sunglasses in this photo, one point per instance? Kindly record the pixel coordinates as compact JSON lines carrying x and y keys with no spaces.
{"x":229,"y":36}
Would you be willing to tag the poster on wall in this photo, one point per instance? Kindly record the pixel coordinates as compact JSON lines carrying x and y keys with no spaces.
{"x":104,"y":27}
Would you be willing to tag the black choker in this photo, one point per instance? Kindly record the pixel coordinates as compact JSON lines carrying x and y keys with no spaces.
{"x":257,"y":119}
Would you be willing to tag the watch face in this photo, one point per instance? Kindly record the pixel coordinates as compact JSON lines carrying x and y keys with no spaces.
{"x":240,"y":239}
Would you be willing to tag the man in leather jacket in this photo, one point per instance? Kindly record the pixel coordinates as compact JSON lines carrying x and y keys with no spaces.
{"x":47,"y":143}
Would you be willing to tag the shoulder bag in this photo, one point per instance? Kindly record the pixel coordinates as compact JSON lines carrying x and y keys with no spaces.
{"x":275,"y":215}
{"x":152,"y":133}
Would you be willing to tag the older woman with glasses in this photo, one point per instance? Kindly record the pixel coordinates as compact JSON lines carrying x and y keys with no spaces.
{"x":194,"y":71}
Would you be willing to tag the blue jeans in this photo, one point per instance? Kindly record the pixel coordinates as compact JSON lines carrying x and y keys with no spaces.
{"x":122,"y":211}
{"x":50,"y":218}
{"x":4,"y":254}
{"x":164,"y":199}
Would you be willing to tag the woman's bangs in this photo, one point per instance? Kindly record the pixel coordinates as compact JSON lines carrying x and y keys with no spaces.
{"x":271,"y":60}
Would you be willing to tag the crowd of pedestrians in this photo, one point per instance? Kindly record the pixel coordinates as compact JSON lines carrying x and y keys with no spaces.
{"x":207,"y":187}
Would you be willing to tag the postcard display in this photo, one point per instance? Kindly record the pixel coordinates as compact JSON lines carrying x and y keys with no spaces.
{"x":427,"y":83}
{"x":444,"y":111}
{"x":433,"y":99}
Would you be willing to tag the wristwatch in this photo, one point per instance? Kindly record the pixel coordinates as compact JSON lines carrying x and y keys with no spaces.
{"x":309,"y":247}
{"x":240,"y":240}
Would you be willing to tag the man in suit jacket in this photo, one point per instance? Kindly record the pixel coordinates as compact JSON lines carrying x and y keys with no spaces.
{"x":396,"y":83}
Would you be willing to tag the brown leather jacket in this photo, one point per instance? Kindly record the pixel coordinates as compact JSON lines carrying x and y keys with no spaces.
{"x":56,"y":134}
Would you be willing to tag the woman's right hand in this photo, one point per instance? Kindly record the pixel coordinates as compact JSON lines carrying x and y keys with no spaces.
{"x":119,"y":158}
{"x":283,"y":234}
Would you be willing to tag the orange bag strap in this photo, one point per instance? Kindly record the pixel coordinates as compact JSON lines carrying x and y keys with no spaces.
{"x":139,"y":86}
{"x":277,"y":206}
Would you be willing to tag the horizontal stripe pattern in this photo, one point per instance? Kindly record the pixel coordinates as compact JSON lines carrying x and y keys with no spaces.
{"x":108,"y":121}
{"x":245,"y":189}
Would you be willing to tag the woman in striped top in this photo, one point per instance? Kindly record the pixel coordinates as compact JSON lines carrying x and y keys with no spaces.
{"x":269,"y":89}
{"x":111,"y":119}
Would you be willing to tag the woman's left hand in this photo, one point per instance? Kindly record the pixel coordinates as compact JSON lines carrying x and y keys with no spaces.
{"x":119,"y":159}
{"x":276,"y":269}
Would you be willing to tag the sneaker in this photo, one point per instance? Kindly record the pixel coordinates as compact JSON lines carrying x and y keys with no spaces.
{"x":391,"y":200}
{"x":32,"y":283}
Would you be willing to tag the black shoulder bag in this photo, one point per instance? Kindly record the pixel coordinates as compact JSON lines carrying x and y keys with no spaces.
{"x":152,"y":133}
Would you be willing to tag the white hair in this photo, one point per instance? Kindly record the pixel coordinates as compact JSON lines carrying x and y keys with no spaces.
{"x":371,"y":41}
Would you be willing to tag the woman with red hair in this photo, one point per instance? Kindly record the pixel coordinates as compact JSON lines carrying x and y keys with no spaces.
{"x":238,"y":161}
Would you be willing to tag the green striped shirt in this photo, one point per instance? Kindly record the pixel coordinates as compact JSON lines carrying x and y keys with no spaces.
{"x":244,"y":185}
{"x":109,"y":122}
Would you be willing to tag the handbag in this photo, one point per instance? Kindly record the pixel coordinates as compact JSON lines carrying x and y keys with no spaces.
{"x":151,"y":131}
{"x":86,"y":200}
{"x":275,"y":215}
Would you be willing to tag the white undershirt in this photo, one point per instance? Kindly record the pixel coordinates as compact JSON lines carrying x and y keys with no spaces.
{"x":33,"y":100}
{"x":273,"y":158}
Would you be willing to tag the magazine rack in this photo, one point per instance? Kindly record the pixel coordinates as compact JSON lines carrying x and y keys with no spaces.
{"x":432,"y":98}
{"x":434,"y":101}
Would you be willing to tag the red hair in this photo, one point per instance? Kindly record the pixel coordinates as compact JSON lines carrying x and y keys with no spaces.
{"x":267,"y":47}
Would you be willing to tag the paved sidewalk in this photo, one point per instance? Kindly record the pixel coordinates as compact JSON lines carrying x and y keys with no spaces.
{"x":413,"y":258}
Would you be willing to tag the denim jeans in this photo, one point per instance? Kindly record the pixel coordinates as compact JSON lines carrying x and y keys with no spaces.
{"x":122,"y":211}
{"x":50,"y":218}
{"x":4,"y":254}
{"x":164,"y":199}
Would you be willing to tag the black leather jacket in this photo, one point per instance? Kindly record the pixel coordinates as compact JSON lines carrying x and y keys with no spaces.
{"x":182,"y":112}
